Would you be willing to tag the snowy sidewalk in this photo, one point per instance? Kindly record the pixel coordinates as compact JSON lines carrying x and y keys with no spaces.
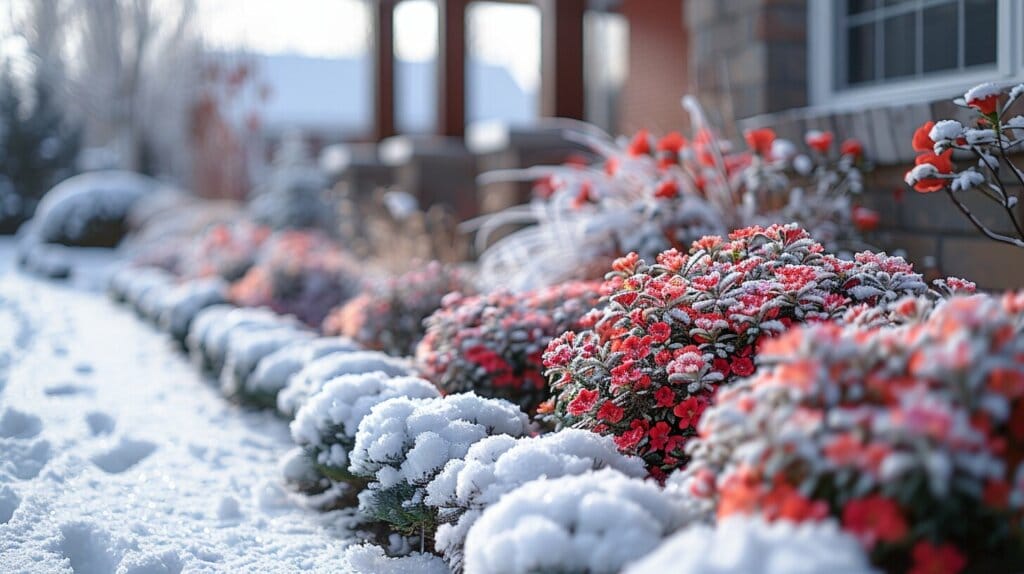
{"x":116,"y":457}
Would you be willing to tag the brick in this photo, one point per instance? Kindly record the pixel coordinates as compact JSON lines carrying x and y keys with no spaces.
{"x":781,"y":24}
{"x":989,"y":264}
{"x":915,"y":247}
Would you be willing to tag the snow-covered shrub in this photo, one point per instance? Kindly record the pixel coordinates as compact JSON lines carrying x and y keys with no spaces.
{"x":593,"y":523}
{"x":245,"y":349}
{"x":200,"y":327}
{"x":403,"y":443}
{"x":325,"y":427}
{"x":499,"y":464}
{"x":90,"y":209}
{"x":225,"y":250}
{"x":648,"y":195}
{"x":273,"y":371}
{"x":130,"y":284}
{"x":209,"y":351}
{"x":293,"y":197}
{"x":185,"y":301}
{"x":365,"y":558}
{"x":675,"y":331}
{"x":299,"y":273}
{"x":313,"y":376}
{"x":741,"y":545}
{"x":910,"y":436}
{"x":389,"y":316}
{"x":492,"y":344}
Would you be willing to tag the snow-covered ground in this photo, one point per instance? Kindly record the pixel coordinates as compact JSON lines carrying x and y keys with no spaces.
{"x":115,"y":456}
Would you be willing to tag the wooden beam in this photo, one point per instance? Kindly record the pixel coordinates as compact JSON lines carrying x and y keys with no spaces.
{"x":562,"y":89}
{"x":384,"y":69}
{"x":451,"y":67}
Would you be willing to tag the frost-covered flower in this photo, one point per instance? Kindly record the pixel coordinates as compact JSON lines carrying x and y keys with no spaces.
{"x":493,"y":344}
{"x":593,"y":523}
{"x":498,"y":465}
{"x":403,"y":443}
{"x":389,"y":316}
{"x":672,"y":333}
{"x":742,"y":545}
{"x":984,"y":97}
{"x":314,"y":375}
{"x":893,"y":431}
{"x":326,"y":425}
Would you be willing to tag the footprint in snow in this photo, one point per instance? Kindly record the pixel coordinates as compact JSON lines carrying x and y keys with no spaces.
{"x":66,"y":390}
{"x":9,"y":502}
{"x":18,"y":424}
{"x":124,"y":455}
{"x":100,"y":423}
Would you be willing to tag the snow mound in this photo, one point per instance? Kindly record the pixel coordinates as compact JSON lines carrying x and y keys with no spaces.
{"x":365,"y":558}
{"x":212,"y":347}
{"x":273,"y":371}
{"x":131,"y":284}
{"x":326,"y":425}
{"x":596,"y":523}
{"x":200,"y":328}
{"x":403,"y":443}
{"x":744,"y":545}
{"x":247,"y":348}
{"x":315,"y":375}
{"x":293,"y":197}
{"x":182,"y":303}
{"x":500,"y":464}
{"x":90,"y":209}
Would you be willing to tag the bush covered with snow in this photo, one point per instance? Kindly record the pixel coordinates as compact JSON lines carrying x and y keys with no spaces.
{"x":245,"y":349}
{"x":225,"y":250}
{"x":675,"y":331}
{"x":312,"y":378}
{"x":90,"y":209}
{"x":293,"y":197}
{"x":403,"y":443}
{"x":182,"y":303}
{"x":273,"y":371}
{"x":492,"y":344}
{"x":740,"y":545}
{"x":499,"y":464}
{"x":325,"y":427}
{"x":213,"y":327}
{"x":365,"y":558}
{"x":388,"y":316}
{"x":910,"y":436}
{"x":594,"y":523}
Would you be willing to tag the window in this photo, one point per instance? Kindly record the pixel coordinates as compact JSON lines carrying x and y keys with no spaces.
{"x":875,"y":51}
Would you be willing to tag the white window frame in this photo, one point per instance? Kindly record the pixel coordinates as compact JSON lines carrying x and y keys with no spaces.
{"x":822,"y":55}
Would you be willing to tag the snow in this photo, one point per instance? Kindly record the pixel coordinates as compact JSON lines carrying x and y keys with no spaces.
{"x":742,"y":545}
{"x":498,"y":465}
{"x":184,"y":302}
{"x":946,"y":130}
{"x":982,"y":91}
{"x":210,"y":350}
{"x":143,"y":469}
{"x":326,"y":425}
{"x":247,"y":348}
{"x":274,"y":370}
{"x":597,"y":523}
{"x":315,"y":375}
{"x":369,"y":558}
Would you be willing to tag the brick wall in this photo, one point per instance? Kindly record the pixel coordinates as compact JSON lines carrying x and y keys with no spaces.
{"x":658,"y":70}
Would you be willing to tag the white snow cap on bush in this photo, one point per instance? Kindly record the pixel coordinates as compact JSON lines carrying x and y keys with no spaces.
{"x":410,"y":440}
{"x":214,"y":345}
{"x":327,"y":423}
{"x":746,"y":545}
{"x":315,"y":375}
{"x":498,"y":465}
{"x":274,"y":370}
{"x":184,"y":302}
{"x":595,"y":523}
{"x":366,"y":558}
{"x":200,"y":327}
{"x":246,"y":348}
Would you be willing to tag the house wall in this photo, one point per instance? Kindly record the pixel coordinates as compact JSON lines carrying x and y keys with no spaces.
{"x":748,"y":63}
{"x":658,"y":67}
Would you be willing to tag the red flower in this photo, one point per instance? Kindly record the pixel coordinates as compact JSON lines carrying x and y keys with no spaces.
{"x":865,"y":219}
{"x":984,"y":98}
{"x":584,"y":401}
{"x":943,"y":164}
{"x":641,"y":144}
{"x":610,"y":412}
{"x":667,"y":189}
{"x":874,"y":519}
{"x":742,"y":366}
{"x":659,"y":435}
{"x":659,"y":331}
{"x":852,"y":147}
{"x":933,"y":559}
{"x":673,"y":143}
{"x":922,"y":138}
{"x":819,"y":141}
{"x":760,"y":141}
{"x":664,"y":397}
{"x":630,"y":438}
{"x":688,"y":412}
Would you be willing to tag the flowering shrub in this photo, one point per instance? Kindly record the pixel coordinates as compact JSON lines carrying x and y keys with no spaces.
{"x":492,"y":344}
{"x":988,"y":144}
{"x":224,"y":250}
{"x":498,"y":465}
{"x":311,"y":379}
{"x":389,"y":317}
{"x":403,"y":443}
{"x":648,"y":195}
{"x":741,"y":545}
{"x":675,"y":331}
{"x":593,"y":523}
{"x":325,"y":427}
{"x":298,"y":273}
{"x":910,"y":436}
